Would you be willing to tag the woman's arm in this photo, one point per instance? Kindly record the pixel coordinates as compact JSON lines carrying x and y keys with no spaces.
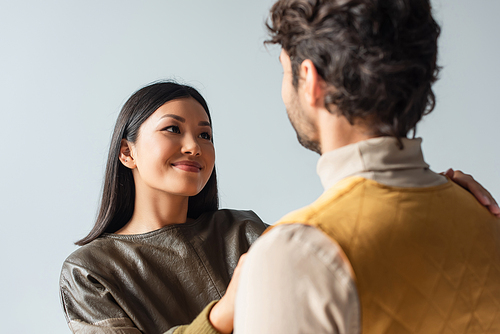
{"x":87,"y":305}
{"x":200,"y":325}
{"x":90,"y":308}
{"x":218,"y":316}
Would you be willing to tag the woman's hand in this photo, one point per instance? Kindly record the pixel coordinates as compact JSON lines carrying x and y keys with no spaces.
{"x":222,"y":314}
{"x":467,"y":182}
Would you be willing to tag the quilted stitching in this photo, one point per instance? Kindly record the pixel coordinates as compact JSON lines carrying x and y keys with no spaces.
{"x":427,"y":260}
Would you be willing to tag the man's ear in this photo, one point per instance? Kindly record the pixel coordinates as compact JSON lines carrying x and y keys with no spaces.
{"x":312,"y":84}
{"x":126,"y":156}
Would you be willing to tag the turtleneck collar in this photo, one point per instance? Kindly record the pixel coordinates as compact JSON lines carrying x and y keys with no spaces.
{"x":379,"y":159}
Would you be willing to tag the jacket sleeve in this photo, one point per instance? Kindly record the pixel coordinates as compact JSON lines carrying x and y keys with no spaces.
{"x":88,"y":305}
{"x":200,"y":325}
{"x":90,"y":308}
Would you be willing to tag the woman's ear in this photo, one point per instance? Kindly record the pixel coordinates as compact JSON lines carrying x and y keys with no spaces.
{"x":126,"y":156}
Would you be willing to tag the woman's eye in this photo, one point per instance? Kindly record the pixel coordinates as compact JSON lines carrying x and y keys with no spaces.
{"x":173,"y":129}
{"x":205,"y":135}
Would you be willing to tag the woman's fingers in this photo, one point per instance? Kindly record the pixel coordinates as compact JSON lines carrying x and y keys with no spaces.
{"x":467,"y":182}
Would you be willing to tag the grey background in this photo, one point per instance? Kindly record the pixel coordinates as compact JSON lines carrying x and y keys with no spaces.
{"x":66,"y":67}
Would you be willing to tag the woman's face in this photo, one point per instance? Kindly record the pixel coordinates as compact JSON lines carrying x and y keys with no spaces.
{"x":173,"y":152}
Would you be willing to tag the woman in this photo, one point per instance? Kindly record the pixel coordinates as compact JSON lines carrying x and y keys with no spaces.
{"x":160,"y":251}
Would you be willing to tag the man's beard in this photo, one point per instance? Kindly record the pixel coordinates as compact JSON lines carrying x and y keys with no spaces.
{"x":309,"y":144}
{"x":302,"y":126}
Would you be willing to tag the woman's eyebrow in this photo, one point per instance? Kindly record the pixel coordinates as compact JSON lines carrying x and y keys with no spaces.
{"x":179,"y":118}
{"x":183,"y":120}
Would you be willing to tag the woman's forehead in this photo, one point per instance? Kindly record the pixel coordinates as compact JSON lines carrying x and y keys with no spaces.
{"x":183,"y":109}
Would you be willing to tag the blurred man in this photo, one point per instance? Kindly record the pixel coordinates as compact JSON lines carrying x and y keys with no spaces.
{"x":390,"y":246}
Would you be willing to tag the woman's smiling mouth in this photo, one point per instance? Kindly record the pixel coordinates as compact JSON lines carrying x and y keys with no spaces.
{"x":188,"y":166}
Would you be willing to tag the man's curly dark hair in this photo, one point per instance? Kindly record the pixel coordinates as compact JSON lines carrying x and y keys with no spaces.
{"x":378,"y":57}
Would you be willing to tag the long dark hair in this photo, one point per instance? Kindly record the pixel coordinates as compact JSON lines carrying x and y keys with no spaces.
{"x":118,"y":194}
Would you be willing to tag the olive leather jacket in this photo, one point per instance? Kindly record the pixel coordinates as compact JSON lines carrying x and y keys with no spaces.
{"x":155,"y":281}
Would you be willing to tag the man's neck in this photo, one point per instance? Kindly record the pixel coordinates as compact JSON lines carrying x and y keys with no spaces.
{"x":335,"y":131}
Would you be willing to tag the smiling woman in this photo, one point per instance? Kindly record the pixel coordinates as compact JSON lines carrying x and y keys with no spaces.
{"x":171,"y":160}
{"x":160,"y":253}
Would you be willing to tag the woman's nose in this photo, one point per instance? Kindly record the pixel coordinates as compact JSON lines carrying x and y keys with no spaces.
{"x":190,"y":146}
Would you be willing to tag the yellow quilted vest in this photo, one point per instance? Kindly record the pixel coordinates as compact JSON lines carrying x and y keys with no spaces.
{"x":426,"y":260}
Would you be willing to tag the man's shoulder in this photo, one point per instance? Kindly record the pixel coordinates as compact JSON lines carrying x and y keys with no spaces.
{"x":300,"y":239}
{"x":303,"y":250}
{"x":340,"y":191}
{"x":298,"y":233}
